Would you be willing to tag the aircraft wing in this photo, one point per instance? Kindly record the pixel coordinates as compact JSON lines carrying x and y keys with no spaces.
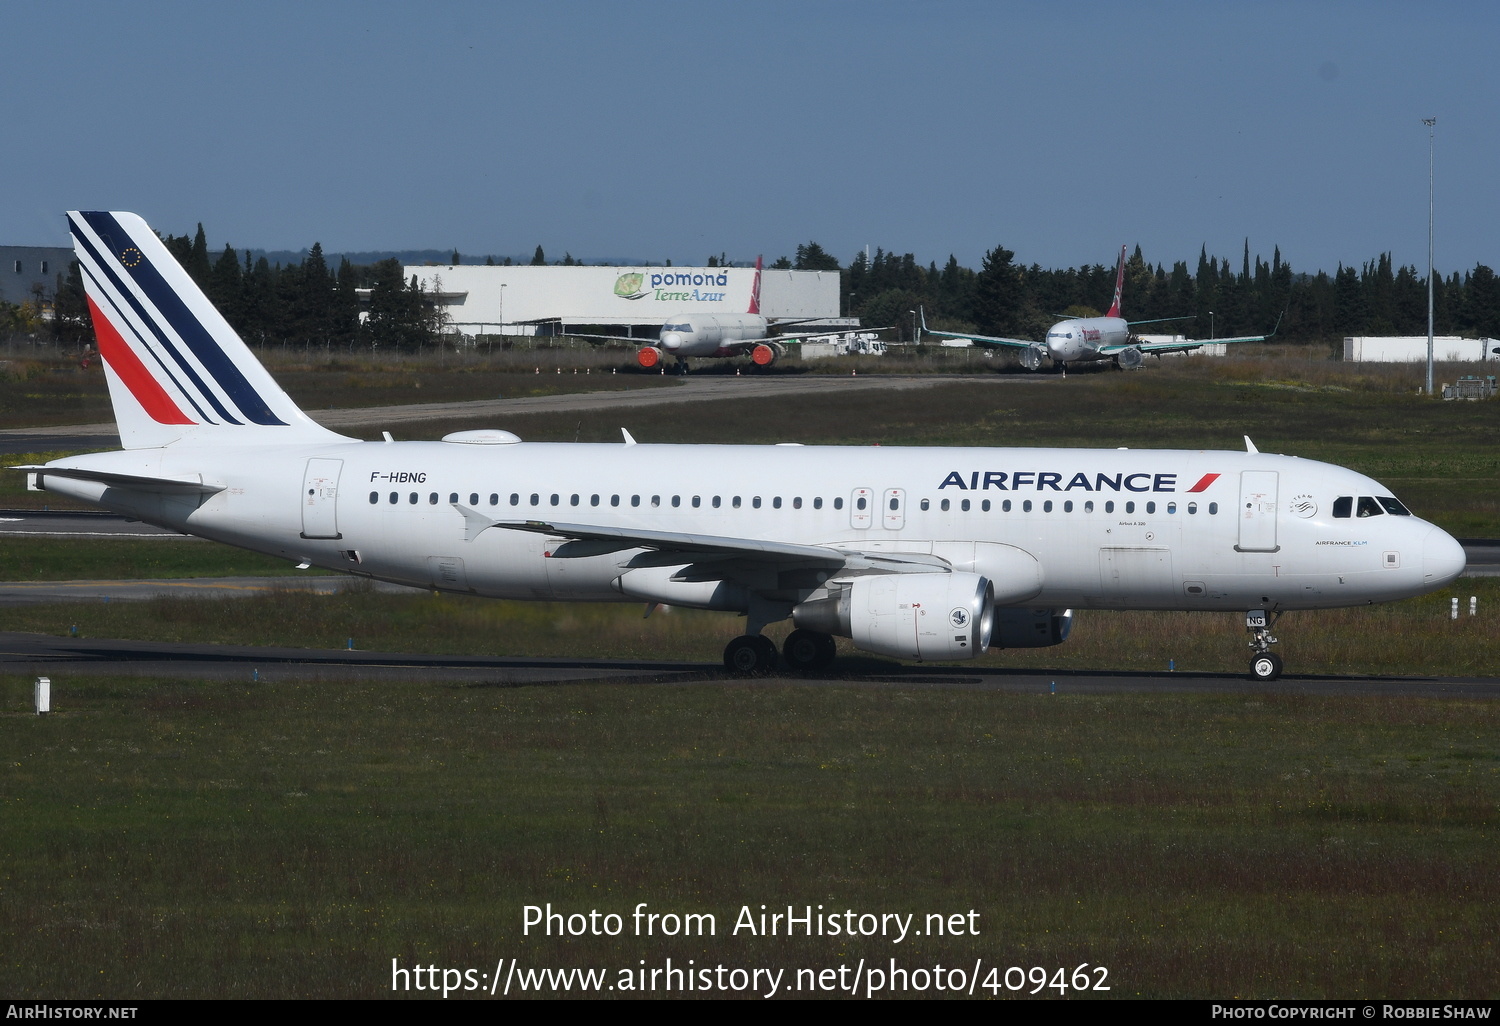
{"x":1184,"y":346}
{"x":985,"y":340}
{"x":669,"y":548}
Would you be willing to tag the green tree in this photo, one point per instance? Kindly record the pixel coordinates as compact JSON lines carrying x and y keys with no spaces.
{"x":998,"y":303}
{"x":812,"y":257}
{"x":539,"y":259}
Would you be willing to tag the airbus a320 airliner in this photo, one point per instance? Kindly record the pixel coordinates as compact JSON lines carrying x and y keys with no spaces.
{"x":915,"y":553}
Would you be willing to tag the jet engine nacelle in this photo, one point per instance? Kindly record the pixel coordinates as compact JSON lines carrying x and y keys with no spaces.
{"x":1031,"y":358}
{"x":767,"y":353}
{"x":909,"y":616}
{"x":1031,"y":628}
{"x":1129,"y":359}
{"x":648,"y":356}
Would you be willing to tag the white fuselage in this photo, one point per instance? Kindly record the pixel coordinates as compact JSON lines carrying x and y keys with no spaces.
{"x":700,"y":334}
{"x":1118,"y":529}
{"x":1080,"y":339}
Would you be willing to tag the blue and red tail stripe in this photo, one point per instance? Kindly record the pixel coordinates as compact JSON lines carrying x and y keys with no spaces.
{"x":170,"y":317}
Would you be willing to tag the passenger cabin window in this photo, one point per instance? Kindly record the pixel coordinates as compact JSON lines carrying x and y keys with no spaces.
{"x":374,"y":498}
{"x":755,"y":502}
{"x":395,"y":498}
{"x":926,"y":504}
{"x":963,"y":505}
{"x":573,"y":499}
{"x":1130,"y":507}
{"x":1150,"y":507}
{"x":735,"y":502}
{"x":494,"y":498}
{"x":1026,"y":506}
{"x":676,"y":501}
{"x":1213,"y":509}
{"x":838,"y":503}
{"x":453,"y":498}
{"x":776,"y":502}
{"x":797,"y":502}
{"x":1005,"y":506}
{"x":635,"y":500}
{"x":1368,"y":507}
{"x":944,"y":504}
{"x":985,"y":505}
{"x":716,"y":502}
{"x":515,"y":498}
{"x":1109,"y":506}
{"x":818,"y":502}
{"x":412,"y":498}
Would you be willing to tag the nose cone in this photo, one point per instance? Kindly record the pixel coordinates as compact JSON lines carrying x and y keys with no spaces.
{"x":1442,"y":558}
{"x":671,"y":340}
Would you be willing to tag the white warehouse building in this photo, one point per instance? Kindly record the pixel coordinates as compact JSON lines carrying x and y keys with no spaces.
{"x":634,"y":301}
{"x":1413,"y":349}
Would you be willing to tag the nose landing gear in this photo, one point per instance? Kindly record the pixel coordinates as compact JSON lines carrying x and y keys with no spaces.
{"x":1265,"y":665}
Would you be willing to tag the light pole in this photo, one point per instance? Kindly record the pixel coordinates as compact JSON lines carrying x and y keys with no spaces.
{"x":501,"y":313}
{"x":1210,"y":325}
{"x":1431,"y":124}
{"x":916,"y":339}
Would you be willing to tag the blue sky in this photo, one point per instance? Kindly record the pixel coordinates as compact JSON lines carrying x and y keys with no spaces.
{"x":675,"y":130}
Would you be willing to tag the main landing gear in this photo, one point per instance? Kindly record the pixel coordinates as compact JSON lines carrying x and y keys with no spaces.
{"x":754,"y":655}
{"x":1265,"y":665}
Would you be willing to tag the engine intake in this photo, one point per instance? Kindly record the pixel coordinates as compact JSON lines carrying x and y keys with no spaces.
{"x":909,"y":616}
{"x":767,"y":353}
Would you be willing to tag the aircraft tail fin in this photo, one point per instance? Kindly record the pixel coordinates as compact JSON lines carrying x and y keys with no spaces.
{"x":1114,"y":308}
{"x":176,"y":369}
{"x":755,"y":289}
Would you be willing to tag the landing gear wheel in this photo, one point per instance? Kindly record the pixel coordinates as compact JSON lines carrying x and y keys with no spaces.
{"x":750,"y":655}
{"x":1265,"y":667}
{"x":808,"y":651}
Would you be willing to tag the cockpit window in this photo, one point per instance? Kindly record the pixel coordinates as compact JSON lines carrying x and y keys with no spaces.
{"x":686,"y":329}
{"x":1393,"y":506}
{"x":1368,"y":507}
{"x":1343,"y":506}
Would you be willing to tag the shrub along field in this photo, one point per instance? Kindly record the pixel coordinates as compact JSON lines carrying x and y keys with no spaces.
{"x":168,"y":838}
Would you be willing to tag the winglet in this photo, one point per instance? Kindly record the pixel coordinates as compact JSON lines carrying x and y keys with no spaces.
{"x":475,"y":522}
{"x":1250,"y":446}
{"x":755,"y":289}
{"x":1114,"y":308}
{"x":628,"y":439}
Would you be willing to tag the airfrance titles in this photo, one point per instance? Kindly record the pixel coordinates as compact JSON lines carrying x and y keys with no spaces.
{"x":1045,"y":480}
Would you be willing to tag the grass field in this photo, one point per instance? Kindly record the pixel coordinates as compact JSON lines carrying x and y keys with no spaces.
{"x":1415,"y":637}
{"x":178,"y":839}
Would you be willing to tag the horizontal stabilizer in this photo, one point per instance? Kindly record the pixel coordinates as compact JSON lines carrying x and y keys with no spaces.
{"x":137,"y":482}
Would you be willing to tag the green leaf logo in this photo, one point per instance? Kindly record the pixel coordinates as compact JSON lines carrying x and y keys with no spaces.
{"x":628,"y":286}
